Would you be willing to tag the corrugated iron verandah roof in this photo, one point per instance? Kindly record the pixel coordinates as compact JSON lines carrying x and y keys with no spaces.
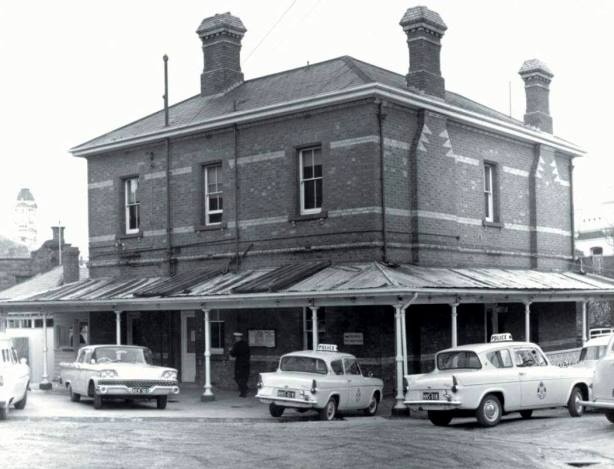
{"x":321,"y":283}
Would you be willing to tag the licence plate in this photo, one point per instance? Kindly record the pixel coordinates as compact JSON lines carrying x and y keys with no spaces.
{"x":430,"y":396}
{"x":289,"y":394}
{"x":138,"y":390}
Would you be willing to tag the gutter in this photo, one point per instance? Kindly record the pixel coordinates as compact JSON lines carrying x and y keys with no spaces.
{"x":369,"y":90}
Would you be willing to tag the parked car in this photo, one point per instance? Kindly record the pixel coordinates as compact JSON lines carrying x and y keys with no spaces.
{"x":324,"y":380}
{"x":489,"y":380}
{"x":14,"y":378}
{"x":593,"y":350}
{"x":118,"y":371}
{"x":602,"y":398}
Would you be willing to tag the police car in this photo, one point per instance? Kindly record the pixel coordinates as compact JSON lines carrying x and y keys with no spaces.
{"x":14,"y":378}
{"x":602,"y":398}
{"x":594,"y":349}
{"x":489,"y":380}
{"x":324,"y":380}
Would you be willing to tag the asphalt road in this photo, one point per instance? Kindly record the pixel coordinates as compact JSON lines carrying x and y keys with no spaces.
{"x":551,"y":439}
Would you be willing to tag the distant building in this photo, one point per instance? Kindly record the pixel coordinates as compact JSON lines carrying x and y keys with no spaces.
{"x":25,"y":218}
{"x":595,"y":231}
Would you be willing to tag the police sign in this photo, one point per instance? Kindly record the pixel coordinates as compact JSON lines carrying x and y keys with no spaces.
{"x":504,"y":337}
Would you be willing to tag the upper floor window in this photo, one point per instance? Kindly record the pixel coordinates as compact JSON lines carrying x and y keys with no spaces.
{"x":489,"y":192}
{"x":131,"y":205}
{"x":310,"y":178}
{"x":596,"y":251}
{"x":214,"y":207}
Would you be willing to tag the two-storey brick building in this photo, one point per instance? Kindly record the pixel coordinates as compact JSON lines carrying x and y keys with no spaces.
{"x":345,"y":173}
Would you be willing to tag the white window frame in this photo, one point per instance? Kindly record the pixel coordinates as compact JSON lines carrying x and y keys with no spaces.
{"x":489,"y":194}
{"x":303,"y":210}
{"x":127,"y":205}
{"x":207,"y":195}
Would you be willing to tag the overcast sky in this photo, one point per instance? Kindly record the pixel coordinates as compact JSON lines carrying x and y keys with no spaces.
{"x":72,"y":70}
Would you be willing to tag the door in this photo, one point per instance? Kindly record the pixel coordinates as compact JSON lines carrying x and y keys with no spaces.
{"x":188,"y":347}
{"x":537,"y":385}
{"x":357,"y":393}
{"x":339,"y":383}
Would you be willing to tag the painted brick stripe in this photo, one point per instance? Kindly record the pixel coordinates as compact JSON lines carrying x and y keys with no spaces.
{"x":100,"y":184}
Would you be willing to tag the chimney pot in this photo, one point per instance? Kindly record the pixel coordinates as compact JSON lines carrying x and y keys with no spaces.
{"x":537,"y":77}
{"x":424,"y":29}
{"x":221,"y":38}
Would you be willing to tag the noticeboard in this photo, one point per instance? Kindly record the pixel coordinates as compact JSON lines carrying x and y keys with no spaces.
{"x":261,"y":338}
{"x":353,"y":338}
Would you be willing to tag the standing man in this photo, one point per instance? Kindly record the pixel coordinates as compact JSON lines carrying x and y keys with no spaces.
{"x":240,"y":351}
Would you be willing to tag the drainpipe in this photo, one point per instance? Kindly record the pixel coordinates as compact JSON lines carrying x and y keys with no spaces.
{"x":169,"y":229}
{"x":236,"y":157}
{"x":571,"y":213}
{"x":380,"y":123}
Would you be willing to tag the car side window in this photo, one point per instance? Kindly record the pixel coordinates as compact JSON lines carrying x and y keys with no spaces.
{"x":500,"y":358}
{"x":80,"y":356}
{"x":529,"y":357}
{"x":337,"y":367}
{"x":351,"y":366}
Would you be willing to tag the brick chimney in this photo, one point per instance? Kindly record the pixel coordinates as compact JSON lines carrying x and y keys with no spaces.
{"x":57,"y":232}
{"x":70,"y":264}
{"x":424,"y":29}
{"x":537,"y":77}
{"x":221,"y":37}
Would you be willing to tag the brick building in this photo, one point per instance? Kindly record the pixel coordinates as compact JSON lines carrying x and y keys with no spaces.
{"x":330,"y":167}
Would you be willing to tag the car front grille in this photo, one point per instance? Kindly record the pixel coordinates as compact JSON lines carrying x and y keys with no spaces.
{"x":138,"y":383}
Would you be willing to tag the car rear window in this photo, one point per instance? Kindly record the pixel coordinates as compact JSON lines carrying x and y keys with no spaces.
{"x":303,"y":365}
{"x":594,"y":352}
{"x":458,"y":360}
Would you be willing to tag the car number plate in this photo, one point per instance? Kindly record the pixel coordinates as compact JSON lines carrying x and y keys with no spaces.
{"x":430,"y":396}
{"x":282,"y":393}
{"x":138,"y":390}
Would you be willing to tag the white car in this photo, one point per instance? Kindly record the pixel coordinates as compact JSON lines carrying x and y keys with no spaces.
{"x":603,"y":383}
{"x":14,"y":378}
{"x":324,"y":380}
{"x":118,"y":371}
{"x":593,"y":351}
{"x":487,"y":381}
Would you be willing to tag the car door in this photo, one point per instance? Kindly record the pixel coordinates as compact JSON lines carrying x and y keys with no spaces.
{"x":356,"y":393}
{"x":603,"y":383}
{"x":338,"y":382}
{"x":537,"y":388}
{"x":22,"y":374}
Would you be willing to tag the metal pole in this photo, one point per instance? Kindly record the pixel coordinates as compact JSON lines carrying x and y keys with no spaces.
{"x":454,"y":324}
{"x":584,"y":323}
{"x":59,"y":244}
{"x":208,"y":393}
{"x":398,"y":405}
{"x":45,"y":384}
{"x":314,"y":327}
{"x":527,"y":322}
{"x":305,"y":339}
{"x":404,"y":340}
{"x":118,"y":328}
{"x":165,"y":97}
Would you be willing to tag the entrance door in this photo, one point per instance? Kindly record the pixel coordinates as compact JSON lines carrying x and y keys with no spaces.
{"x":188,"y":347}
{"x":537,"y":388}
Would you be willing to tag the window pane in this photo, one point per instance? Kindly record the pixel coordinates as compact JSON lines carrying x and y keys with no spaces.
{"x":318,"y":193}
{"x":487,"y":178}
{"x":213,"y":204}
{"x":487,"y":205}
{"x":307,"y":172}
{"x":317,"y":171}
{"x":309,"y":194}
{"x":215,"y":218}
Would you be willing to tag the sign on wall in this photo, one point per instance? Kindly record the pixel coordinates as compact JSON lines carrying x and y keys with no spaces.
{"x":353,"y":338}
{"x":261,"y":338}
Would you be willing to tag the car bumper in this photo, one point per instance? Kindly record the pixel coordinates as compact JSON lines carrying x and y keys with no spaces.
{"x":433,"y":405}
{"x":598,"y":404}
{"x":123,"y":390}
{"x":287,"y":402}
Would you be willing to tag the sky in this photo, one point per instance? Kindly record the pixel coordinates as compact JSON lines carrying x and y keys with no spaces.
{"x":72,"y":70}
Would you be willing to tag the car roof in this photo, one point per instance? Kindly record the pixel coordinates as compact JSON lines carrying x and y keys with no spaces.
{"x":327,"y":356}
{"x":599,"y":340}
{"x":112,"y":345}
{"x":485,"y":347}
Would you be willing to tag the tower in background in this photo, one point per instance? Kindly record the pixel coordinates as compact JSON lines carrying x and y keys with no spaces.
{"x":25,"y":218}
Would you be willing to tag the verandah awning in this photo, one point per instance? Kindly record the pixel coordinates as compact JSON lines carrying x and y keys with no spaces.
{"x":319,"y":284}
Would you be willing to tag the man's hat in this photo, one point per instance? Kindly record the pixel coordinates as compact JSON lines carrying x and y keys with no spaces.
{"x":238,"y":334}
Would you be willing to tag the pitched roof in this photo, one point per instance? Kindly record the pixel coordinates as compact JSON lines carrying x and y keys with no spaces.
{"x":338,"y":74}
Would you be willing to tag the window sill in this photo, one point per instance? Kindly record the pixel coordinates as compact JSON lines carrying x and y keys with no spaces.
{"x":218,"y":227}
{"x":492,"y":224}
{"x":131,"y":235}
{"x":309,"y":217}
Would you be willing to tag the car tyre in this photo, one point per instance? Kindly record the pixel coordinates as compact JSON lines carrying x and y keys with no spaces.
{"x":489,"y":411}
{"x":609,"y":414}
{"x":3,"y":413}
{"x":373,"y":404}
{"x":20,"y":405}
{"x":275,"y":410}
{"x":329,"y":411}
{"x":440,"y":418}
{"x":97,"y":401}
{"x":526,"y":414}
{"x":74,"y":397}
{"x":573,"y":405}
{"x":161,"y":402}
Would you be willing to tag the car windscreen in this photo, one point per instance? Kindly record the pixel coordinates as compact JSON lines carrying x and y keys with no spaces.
{"x":122,"y":355}
{"x":594,"y":352}
{"x":303,"y":365}
{"x":458,"y":360}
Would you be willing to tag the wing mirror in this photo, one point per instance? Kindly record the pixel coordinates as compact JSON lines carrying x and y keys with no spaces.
{"x":23,"y":361}
{"x":370,"y":374}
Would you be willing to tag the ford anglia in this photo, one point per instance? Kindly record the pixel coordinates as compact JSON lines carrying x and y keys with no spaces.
{"x":118,"y":371}
{"x":324,"y":380}
{"x":489,"y":380}
{"x":603,"y":382}
{"x":14,"y":378}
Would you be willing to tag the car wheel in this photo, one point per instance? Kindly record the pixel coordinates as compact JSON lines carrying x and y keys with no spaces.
{"x":74,"y":397}
{"x":573,"y":405}
{"x":440,"y":418}
{"x":161,"y":402}
{"x":609,"y":415}
{"x":372,"y":409}
{"x":97,"y":401}
{"x":489,"y":411}
{"x":22,"y":403}
{"x":276,"y":410}
{"x":329,"y":411}
{"x":526,"y":414}
{"x":3,"y":413}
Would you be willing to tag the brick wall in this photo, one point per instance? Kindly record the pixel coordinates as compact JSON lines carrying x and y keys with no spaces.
{"x":14,"y":270}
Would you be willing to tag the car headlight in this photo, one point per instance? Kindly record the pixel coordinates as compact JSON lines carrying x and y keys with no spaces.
{"x":169,"y":374}
{"x":107,"y":374}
